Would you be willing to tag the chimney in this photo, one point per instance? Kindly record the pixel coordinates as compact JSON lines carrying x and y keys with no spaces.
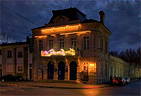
{"x":102,"y":16}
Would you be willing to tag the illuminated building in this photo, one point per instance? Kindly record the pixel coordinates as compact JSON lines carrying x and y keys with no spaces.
{"x":71,"y":47}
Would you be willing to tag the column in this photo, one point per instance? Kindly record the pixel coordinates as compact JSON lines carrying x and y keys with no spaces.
{"x":66,"y":69}
{"x":78,"y":70}
{"x":55,"y":70}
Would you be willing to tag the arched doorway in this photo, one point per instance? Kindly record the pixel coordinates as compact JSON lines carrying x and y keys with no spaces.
{"x":50,"y":71}
{"x":61,"y":70}
{"x":73,"y":70}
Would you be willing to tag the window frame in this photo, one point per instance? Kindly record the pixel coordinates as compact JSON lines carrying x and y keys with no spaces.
{"x":9,"y":54}
{"x":86,"y":41}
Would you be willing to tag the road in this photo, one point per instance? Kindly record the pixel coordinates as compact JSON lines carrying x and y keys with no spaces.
{"x":133,"y":89}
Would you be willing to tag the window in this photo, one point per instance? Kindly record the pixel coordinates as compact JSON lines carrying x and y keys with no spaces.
{"x":19,"y":68}
{"x":0,"y":66}
{"x":0,"y":52}
{"x":94,"y":43}
{"x":101,"y":43}
{"x":73,"y":42}
{"x":50,"y":44}
{"x":61,"y":43}
{"x":86,"y":42}
{"x":106,"y":48}
{"x":30,"y":65}
{"x":20,"y":54}
{"x":9,"y":54}
{"x":40,"y":45}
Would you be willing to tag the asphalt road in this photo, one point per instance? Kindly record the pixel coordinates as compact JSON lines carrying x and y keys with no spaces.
{"x":133,"y":89}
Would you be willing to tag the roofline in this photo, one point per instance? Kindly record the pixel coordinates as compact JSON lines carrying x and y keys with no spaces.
{"x":66,"y":24}
{"x":16,"y":43}
{"x":70,"y":8}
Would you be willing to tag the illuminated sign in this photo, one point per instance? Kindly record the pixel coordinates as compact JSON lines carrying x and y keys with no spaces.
{"x":40,"y":37}
{"x":61,"y":28}
{"x":61,"y":52}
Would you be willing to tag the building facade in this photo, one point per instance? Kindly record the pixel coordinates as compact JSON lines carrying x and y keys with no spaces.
{"x":15,"y":59}
{"x":118,"y":67}
{"x":71,"y":47}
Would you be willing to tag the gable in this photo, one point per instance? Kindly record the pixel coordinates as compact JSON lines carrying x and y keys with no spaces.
{"x":67,"y":15}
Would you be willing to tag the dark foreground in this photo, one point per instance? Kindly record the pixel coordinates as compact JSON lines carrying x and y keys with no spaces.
{"x":133,"y":89}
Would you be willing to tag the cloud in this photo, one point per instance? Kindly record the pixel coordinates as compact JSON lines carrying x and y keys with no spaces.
{"x":123,"y":17}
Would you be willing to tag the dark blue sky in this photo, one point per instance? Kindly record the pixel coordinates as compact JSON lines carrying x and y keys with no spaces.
{"x":123,"y":18}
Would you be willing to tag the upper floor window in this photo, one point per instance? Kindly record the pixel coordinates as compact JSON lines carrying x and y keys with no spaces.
{"x":73,"y":42}
{"x":20,"y":54}
{"x":20,"y":69}
{"x":9,"y":54}
{"x":0,"y":52}
{"x":40,"y":44}
{"x":106,"y":46}
{"x":94,"y":43}
{"x":61,"y":42}
{"x":86,"y":42}
{"x":30,"y":65}
{"x":101,"y":43}
{"x":50,"y":44}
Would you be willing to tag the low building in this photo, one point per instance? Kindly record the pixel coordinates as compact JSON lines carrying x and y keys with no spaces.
{"x":15,"y":59}
{"x":118,"y":67}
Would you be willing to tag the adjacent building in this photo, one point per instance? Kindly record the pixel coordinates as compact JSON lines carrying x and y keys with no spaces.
{"x":15,"y":59}
{"x":118,"y":67}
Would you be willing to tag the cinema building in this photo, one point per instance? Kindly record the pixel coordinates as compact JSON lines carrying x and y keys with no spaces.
{"x":71,"y":47}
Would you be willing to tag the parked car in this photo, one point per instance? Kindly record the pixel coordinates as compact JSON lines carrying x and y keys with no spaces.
{"x":8,"y":78}
{"x":118,"y":81}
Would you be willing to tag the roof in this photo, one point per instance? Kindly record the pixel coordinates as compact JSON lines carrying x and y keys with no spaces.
{"x":64,"y":11}
{"x":11,"y":44}
{"x":49,"y":25}
{"x":71,"y":13}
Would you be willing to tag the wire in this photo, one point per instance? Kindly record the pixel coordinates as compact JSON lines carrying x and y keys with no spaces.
{"x":21,"y":16}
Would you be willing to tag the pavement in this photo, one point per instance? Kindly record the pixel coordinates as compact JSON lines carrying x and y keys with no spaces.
{"x":61,"y":85}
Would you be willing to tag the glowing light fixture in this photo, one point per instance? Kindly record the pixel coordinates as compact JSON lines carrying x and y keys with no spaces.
{"x":40,"y":37}
{"x":92,"y":67}
{"x":61,"y":29}
{"x":61,"y":52}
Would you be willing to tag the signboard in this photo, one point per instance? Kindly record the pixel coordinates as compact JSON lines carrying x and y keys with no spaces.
{"x":61,"y":52}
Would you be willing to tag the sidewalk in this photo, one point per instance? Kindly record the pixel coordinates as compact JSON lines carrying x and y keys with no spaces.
{"x":53,"y":85}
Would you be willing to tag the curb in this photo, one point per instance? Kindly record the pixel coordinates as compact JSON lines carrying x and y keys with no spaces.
{"x":59,"y":87}
{"x":70,"y":87}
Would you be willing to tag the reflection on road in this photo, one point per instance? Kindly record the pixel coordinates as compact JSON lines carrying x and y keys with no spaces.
{"x":129,"y":90}
{"x":90,"y":92}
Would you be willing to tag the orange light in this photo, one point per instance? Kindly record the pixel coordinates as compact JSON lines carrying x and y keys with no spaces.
{"x":40,"y":37}
{"x":92,"y":67}
{"x":78,"y":33}
{"x":61,"y":29}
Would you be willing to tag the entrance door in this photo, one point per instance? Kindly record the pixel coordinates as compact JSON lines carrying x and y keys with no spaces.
{"x":61,"y":71}
{"x":50,"y":70}
{"x":73,"y":70}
